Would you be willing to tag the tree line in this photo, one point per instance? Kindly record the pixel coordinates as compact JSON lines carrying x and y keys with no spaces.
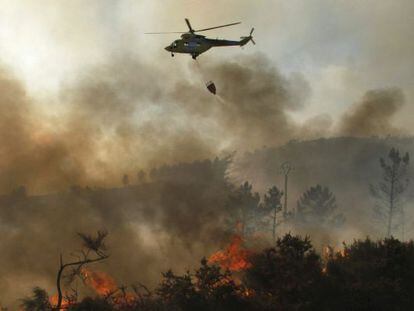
{"x":318,"y":205}
{"x":291,"y":275}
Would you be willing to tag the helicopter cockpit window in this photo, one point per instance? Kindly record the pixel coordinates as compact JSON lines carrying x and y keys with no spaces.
{"x":174,"y":44}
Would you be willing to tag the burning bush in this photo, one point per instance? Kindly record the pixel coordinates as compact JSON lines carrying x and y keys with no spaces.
{"x":234,"y":257}
{"x":365,"y":275}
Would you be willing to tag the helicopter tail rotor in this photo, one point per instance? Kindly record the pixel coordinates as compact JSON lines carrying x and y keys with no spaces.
{"x":245,"y":39}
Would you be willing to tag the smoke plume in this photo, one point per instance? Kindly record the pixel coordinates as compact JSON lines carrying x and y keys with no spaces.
{"x":121,"y":118}
{"x":373,"y":114}
{"x":117,"y":119}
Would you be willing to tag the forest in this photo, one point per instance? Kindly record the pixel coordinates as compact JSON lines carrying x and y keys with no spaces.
{"x":213,"y":239}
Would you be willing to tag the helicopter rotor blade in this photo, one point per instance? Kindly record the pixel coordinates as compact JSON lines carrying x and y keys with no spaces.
{"x":227,"y":25}
{"x":191,"y":30}
{"x":189,"y":25}
{"x":163,"y":33}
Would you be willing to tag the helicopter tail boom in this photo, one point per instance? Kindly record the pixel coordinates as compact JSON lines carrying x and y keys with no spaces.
{"x":242,"y":42}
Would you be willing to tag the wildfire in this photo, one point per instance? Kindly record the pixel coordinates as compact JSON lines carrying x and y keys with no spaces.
{"x":53,"y":300}
{"x":100,"y":282}
{"x":234,"y":257}
{"x":248,"y":292}
{"x":125,"y":298}
{"x":103,"y":285}
{"x":343,"y":253}
{"x":329,"y":252}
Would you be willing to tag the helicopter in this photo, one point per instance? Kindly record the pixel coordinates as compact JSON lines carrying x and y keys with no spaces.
{"x":195,"y":44}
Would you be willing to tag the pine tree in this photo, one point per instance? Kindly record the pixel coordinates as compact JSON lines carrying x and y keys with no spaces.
{"x":245,"y":209}
{"x":317,"y":205}
{"x":388,"y":191}
{"x":272,"y":202}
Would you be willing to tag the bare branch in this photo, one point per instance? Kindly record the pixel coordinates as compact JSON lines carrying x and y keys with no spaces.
{"x":92,"y":245}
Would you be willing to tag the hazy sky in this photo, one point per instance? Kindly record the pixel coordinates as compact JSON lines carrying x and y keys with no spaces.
{"x":101,"y":96}
{"x":342,"y":48}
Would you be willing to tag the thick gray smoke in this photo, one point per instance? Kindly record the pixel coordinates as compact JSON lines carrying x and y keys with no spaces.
{"x":254,"y":99}
{"x":118,"y":119}
{"x":123,"y":117}
{"x":373,"y":114}
{"x":32,"y":154}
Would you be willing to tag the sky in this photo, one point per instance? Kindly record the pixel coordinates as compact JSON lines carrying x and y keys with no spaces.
{"x":342,"y":48}
{"x":328,"y":55}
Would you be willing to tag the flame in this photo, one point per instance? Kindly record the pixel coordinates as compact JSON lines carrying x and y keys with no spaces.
{"x":104,"y":285}
{"x":248,"y":292}
{"x":124,"y":298}
{"x":100,"y":282}
{"x":53,"y":300}
{"x":329,"y":253}
{"x":234,"y":257}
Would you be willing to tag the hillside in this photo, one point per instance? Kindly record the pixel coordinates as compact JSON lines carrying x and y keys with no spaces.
{"x":346,"y":165}
{"x":177,"y":215}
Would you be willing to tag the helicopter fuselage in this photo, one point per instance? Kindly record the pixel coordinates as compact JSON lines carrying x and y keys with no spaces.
{"x":195,"y":45}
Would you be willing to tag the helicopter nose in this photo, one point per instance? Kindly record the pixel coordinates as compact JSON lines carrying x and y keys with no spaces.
{"x":168,"y":48}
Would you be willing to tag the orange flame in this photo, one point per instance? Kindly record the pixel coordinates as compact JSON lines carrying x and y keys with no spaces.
{"x":100,"y":282}
{"x":248,"y":292}
{"x":343,"y":253}
{"x":330,"y":252}
{"x":53,"y":300}
{"x":124,"y":298}
{"x":234,"y":257}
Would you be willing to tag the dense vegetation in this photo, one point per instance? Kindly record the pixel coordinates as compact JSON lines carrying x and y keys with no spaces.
{"x":365,"y":275}
{"x":200,"y":204}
